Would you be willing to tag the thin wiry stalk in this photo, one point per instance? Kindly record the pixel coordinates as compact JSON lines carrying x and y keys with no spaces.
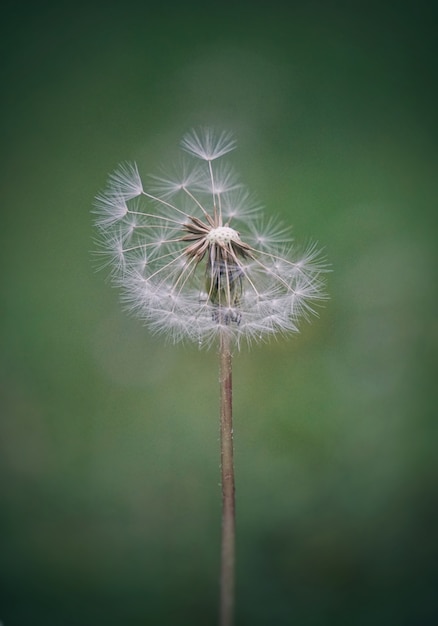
{"x":228,"y":499}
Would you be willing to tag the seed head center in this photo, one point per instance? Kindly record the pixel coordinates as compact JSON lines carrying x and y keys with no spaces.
{"x":222,"y":234}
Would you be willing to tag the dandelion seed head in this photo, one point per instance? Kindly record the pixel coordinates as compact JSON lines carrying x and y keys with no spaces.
{"x":194,"y":258}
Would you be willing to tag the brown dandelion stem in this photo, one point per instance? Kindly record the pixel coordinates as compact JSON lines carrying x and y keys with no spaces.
{"x":227,"y":472}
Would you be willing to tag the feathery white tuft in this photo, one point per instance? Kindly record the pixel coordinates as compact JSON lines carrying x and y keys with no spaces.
{"x":207,"y":145}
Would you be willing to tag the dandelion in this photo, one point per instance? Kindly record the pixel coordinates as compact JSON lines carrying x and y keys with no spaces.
{"x":196,"y":261}
{"x":193,"y":256}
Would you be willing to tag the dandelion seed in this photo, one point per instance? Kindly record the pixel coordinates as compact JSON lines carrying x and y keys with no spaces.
{"x":208,"y":145}
{"x":125,"y":181}
{"x":193,"y":256}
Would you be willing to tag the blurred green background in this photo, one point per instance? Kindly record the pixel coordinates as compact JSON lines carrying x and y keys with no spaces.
{"x":109,"y":452}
